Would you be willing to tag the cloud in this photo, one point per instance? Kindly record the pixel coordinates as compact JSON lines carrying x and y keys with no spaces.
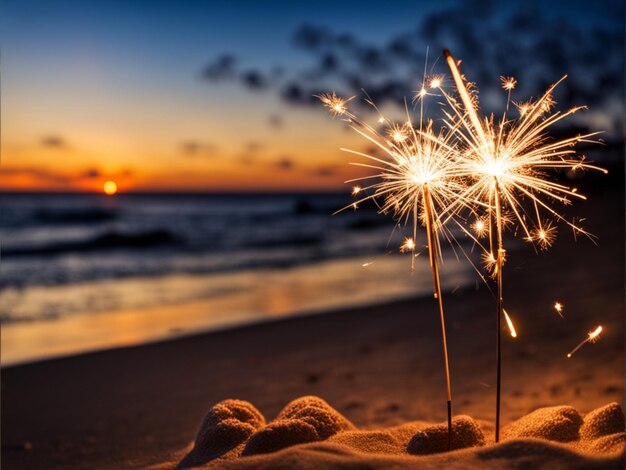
{"x":193,"y":148}
{"x":284,"y":163}
{"x":275,"y":121}
{"x":253,"y":146}
{"x":254,"y":80}
{"x":525,"y":41}
{"x":324,"y":171}
{"x":44,"y":175}
{"x":53,"y":141}
{"x":91,"y":173}
{"x":221,"y":68}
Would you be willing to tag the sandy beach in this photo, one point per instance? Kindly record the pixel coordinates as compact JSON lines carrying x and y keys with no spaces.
{"x":378,"y":366}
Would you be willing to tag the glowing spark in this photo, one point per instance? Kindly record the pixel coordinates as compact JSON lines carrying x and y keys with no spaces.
{"x":336,"y":105}
{"x":436,"y":81}
{"x":381,"y":120}
{"x":490,"y":261}
{"x":356,"y":190}
{"x":558,"y":306}
{"x":480,"y":228}
{"x":544,"y":235}
{"x":592,"y":337}
{"x":408,"y":245}
{"x":369,"y":263}
{"x":508,"y":83}
{"x":510,"y":324}
{"x":398,"y":133}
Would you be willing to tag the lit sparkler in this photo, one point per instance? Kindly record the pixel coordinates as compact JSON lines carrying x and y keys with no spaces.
{"x":592,"y":337}
{"x":506,"y":161}
{"x":417,"y":179}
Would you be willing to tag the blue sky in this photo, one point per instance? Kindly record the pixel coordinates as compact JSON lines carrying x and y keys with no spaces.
{"x":120,"y":84}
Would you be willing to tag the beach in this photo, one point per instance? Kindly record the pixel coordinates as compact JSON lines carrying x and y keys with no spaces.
{"x":379,"y":366}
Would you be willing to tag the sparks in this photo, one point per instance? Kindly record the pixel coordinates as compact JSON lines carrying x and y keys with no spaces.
{"x":369,"y":263}
{"x":436,"y":81}
{"x":510,"y":324}
{"x":558,"y":306}
{"x":399,"y":133}
{"x":480,"y":228}
{"x":356,"y":190}
{"x":336,"y":105}
{"x":408,"y":245}
{"x":592,"y":337}
{"x":508,"y":83}
{"x":507,"y":160}
{"x":544,"y":235}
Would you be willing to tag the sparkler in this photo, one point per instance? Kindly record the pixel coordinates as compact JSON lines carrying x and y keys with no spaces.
{"x":417,"y":179}
{"x":506,"y":161}
{"x":592,"y":337}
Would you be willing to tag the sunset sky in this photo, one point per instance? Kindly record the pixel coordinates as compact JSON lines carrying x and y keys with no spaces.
{"x":214,"y":96}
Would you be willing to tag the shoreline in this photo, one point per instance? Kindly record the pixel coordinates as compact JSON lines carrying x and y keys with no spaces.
{"x":234,"y":299}
{"x":379,"y":366}
{"x":182,"y":334}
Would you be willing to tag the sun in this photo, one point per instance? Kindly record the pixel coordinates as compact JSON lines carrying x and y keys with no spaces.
{"x":109,"y":188}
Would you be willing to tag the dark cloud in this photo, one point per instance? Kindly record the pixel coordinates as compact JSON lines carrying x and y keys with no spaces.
{"x":521,"y":41}
{"x":53,"y":141}
{"x":221,"y":68}
{"x":91,"y":173}
{"x":324,"y":171}
{"x":284,"y":163}
{"x":254,"y":80}
{"x":275,"y":121}
{"x":193,"y":148}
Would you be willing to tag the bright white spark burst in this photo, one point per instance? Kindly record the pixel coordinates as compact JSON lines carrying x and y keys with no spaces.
{"x":335,"y":104}
{"x":509,"y":158}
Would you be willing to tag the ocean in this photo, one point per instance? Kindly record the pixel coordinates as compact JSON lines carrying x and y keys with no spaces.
{"x":87,"y":271}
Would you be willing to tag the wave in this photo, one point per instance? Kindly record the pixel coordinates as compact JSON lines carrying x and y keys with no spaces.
{"x":107,"y":240}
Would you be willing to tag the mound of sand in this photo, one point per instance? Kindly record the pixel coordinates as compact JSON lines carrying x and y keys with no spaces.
{"x":554,"y":423}
{"x":434,"y":439}
{"x":223,"y":432}
{"x":309,"y":434}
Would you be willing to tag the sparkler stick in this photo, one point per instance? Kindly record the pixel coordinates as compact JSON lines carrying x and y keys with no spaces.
{"x":419,"y":176}
{"x":506,"y":162}
{"x":478,"y":128}
{"x":591,"y":337}
{"x":432,"y":249}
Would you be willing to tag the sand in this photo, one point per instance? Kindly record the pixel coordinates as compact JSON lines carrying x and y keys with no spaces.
{"x":309,"y":433}
{"x":378,"y":366}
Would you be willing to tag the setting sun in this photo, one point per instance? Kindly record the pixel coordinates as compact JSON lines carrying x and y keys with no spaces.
{"x":110,"y":188}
